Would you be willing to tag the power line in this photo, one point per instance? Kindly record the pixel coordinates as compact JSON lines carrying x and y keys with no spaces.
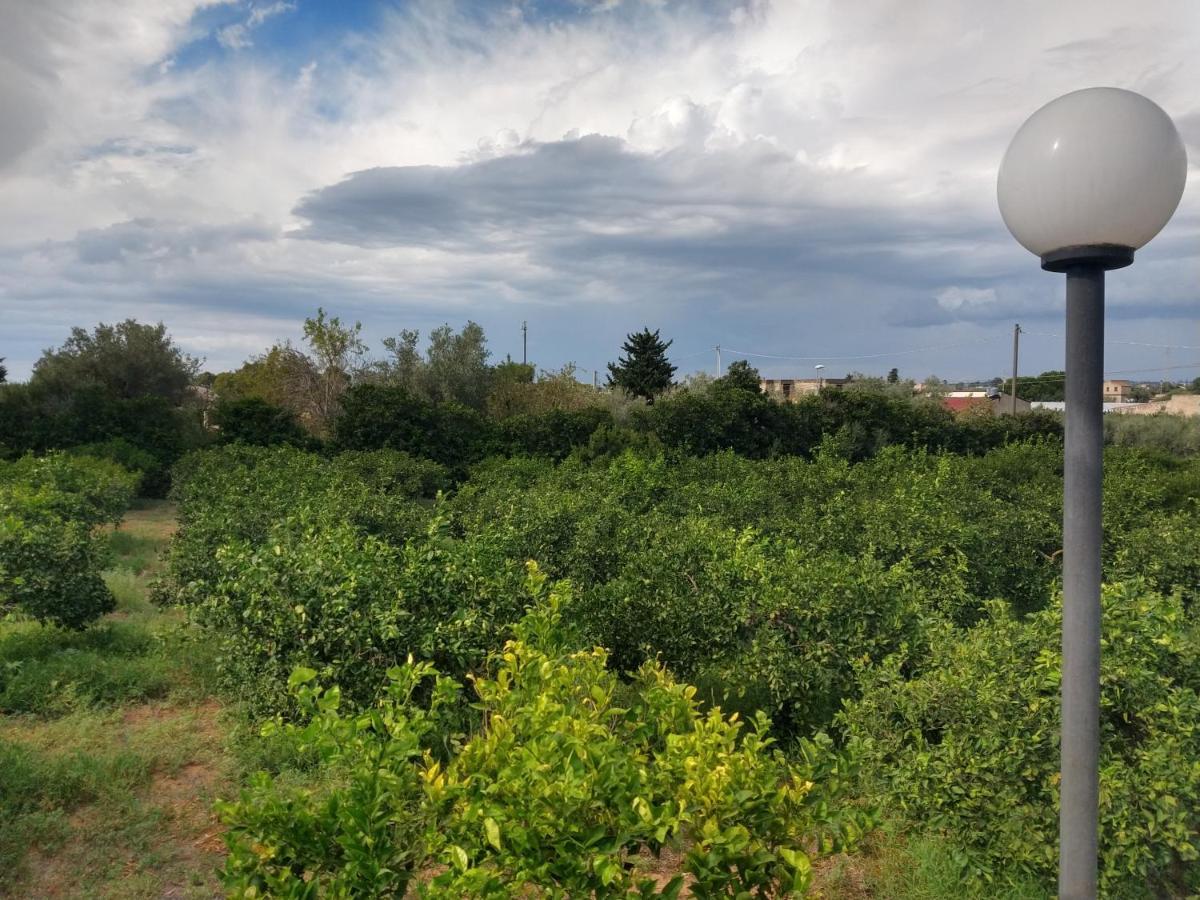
{"x":690,"y":355}
{"x":1114,"y":341}
{"x":1052,"y":378}
{"x":890,"y":353}
{"x":929,"y":349}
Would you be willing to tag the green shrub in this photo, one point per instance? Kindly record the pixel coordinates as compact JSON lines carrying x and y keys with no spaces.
{"x":571,"y":778}
{"x":1173,"y":434}
{"x":749,"y":424}
{"x":252,"y":420}
{"x":50,"y":570}
{"x":352,"y":606}
{"x":554,"y":433}
{"x":238,"y":493}
{"x":610,"y":441}
{"x":31,"y":419}
{"x":755,"y":624}
{"x":80,"y":488}
{"x":969,"y":747}
{"x":50,"y":553}
{"x":861,"y":422}
{"x":388,"y":472}
{"x":376,"y":417}
{"x":133,"y":459}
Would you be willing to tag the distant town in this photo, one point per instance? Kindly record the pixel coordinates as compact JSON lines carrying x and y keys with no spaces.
{"x":1044,"y":391}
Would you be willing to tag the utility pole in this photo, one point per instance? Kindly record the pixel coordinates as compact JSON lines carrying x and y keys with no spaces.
{"x":595,"y":380}
{"x":1016,"y":346}
{"x":718,"y":360}
{"x":524,"y":343}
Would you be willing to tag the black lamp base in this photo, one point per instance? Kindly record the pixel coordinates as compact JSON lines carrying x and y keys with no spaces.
{"x":1100,"y":256}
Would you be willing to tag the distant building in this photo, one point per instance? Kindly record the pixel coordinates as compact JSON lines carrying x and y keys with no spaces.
{"x":789,"y":390}
{"x":1178,"y":405}
{"x":205,"y":399}
{"x":1118,"y":391}
{"x":992,"y":402}
{"x":1061,"y":406}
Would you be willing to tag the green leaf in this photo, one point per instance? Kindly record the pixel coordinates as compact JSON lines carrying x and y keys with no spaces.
{"x":459,"y":858}
{"x":492,"y":831}
{"x":301,"y":675}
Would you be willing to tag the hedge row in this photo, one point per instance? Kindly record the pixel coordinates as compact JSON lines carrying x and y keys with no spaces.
{"x":859,"y":423}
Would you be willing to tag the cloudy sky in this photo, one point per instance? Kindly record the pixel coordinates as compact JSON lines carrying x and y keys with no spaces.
{"x":788,"y":179}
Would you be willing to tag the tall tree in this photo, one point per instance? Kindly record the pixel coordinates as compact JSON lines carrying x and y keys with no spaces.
{"x":454,"y":368}
{"x":457,"y":365}
{"x":512,"y":372}
{"x":741,"y":376}
{"x":336,"y":354}
{"x":644,"y":370}
{"x":280,"y":376}
{"x":127,"y":360}
{"x":3,"y":371}
{"x":1047,"y":386}
{"x":893,"y":376}
{"x":406,"y":367}
{"x":513,"y":395}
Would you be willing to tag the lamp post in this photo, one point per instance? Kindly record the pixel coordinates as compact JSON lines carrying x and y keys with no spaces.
{"x":1087,"y":180}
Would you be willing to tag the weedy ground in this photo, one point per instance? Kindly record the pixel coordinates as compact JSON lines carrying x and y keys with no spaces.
{"x":112,"y":747}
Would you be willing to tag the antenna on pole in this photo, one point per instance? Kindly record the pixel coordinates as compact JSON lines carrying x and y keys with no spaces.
{"x":524,"y":343}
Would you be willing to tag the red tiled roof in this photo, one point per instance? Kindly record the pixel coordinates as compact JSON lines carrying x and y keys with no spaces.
{"x":957,"y":404}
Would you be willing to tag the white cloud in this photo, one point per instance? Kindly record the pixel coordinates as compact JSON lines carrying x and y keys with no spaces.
{"x":237,"y":35}
{"x":955,"y":299}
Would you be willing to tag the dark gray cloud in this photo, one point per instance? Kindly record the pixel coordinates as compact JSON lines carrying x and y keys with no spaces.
{"x":152,"y":239}
{"x":704,"y":220}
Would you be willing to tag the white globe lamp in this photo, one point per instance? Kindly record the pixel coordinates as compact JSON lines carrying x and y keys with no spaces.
{"x":1094,"y":174}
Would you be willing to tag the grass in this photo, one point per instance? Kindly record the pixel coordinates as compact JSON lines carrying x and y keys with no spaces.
{"x":899,"y":866}
{"x":138,"y":654}
{"x":111,"y":748}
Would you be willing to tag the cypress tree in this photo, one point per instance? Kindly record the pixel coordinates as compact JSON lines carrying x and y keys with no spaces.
{"x":644,"y":369}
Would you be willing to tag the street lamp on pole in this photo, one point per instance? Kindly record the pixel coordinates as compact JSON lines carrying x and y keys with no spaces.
{"x":1087,"y":180}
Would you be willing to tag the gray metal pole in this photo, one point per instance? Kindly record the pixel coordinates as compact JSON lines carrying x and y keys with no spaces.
{"x":1082,"y":534}
{"x":1016,"y":346}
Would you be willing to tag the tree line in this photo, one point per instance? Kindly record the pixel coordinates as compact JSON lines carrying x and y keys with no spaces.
{"x":129,"y":392}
